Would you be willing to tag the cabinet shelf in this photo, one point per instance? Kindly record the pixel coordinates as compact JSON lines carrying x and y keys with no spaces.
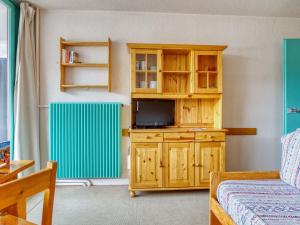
{"x":67,"y":45}
{"x":176,"y":71}
{"x":92,"y":65}
{"x":86,"y":43}
{"x":207,"y":71}
{"x":83,"y":86}
{"x":144,"y":71}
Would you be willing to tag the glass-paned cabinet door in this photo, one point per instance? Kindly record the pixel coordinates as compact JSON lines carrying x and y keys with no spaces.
{"x":208,"y":72}
{"x":146,"y":71}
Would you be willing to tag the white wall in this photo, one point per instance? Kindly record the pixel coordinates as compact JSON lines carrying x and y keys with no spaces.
{"x":252,"y":69}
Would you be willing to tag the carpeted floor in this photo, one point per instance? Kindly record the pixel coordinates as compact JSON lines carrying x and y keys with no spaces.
{"x":111,"y":205}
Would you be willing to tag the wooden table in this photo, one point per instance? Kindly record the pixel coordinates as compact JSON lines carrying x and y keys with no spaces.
{"x":7,"y":173}
{"x":12,"y":220}
{"x":10,"y":171}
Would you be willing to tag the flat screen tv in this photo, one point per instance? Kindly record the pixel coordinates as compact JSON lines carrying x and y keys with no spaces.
{"x":154,"y":113}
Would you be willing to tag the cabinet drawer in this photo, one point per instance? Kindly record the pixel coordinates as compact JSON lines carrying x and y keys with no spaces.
{"x":210,"y":136}
{"x":179,"y":137}
{"x":146,"y":137}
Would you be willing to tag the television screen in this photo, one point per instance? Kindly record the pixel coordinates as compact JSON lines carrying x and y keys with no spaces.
{"x":154,"y":113}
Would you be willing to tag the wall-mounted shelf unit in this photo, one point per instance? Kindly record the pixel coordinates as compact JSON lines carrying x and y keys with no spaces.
{"x":63,"y":66}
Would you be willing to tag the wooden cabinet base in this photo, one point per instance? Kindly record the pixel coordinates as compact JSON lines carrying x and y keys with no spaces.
{"x":133,"y":191}
{"x":170,"y":160}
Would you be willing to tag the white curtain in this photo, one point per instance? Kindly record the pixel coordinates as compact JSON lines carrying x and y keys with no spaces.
{"x":26,"y":137}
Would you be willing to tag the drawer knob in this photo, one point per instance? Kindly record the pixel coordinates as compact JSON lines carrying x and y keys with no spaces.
{"x":148,"y":137}
{"x":161,"y":164}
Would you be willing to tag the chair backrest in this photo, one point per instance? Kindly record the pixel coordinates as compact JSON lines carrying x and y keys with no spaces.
{"x":290,"y":161}
{"x":17,"y":191}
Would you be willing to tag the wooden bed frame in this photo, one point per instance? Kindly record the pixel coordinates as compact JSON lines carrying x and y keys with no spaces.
{"x":217,"y":215}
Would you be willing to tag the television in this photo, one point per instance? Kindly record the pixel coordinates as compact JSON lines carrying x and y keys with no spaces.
{"x":154,"y":113}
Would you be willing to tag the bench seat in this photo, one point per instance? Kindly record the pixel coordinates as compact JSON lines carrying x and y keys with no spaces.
{"x":260,"y":202}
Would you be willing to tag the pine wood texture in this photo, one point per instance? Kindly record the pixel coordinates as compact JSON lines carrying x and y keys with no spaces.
{"x":146,"y":165}
{"x":183,"y":155}
{"x":179,"y":158}
{"x":229,"y":131}
{"x":241,"y":131}
{"x":175,"y":96}
{"x":209,"y":136}
{"x":11,"y":170}
{"x":209,"y":157}
{"x":179,"y":137}
{"x":175,"y":158}
{"x":96,"y":65}
{"x":147,"y":137}
{"x":67,"y":44}
{"x":17,"y":191}
{"x":13,"y":220}
{"x":218,"y":216}
{"x":177,"y":46}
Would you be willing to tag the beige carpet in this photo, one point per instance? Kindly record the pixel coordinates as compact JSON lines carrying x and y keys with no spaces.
{"x":111,"y":205}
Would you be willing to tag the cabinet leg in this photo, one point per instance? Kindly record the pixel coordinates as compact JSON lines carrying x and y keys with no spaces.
{"x":132,"y":194}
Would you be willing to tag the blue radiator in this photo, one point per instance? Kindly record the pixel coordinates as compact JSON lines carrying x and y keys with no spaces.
{"x":85,"y":139}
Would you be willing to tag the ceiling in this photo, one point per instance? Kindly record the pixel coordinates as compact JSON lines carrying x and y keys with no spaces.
{"x":269,"y":8}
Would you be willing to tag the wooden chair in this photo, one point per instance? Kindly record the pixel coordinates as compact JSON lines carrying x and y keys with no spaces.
{"x":17,"y":191}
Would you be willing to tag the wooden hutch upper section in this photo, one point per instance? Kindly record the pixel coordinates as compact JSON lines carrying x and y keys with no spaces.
{"x":176,"y":70}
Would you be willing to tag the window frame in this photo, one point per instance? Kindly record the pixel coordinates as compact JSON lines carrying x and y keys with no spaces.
{"x":13,"y":12}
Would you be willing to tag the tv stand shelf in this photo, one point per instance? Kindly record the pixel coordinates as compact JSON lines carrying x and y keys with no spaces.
{"x":180,"y":156}
{"x":175,"y":129}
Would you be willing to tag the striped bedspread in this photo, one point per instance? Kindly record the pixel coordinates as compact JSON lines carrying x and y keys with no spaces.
{"x":263,"y":202}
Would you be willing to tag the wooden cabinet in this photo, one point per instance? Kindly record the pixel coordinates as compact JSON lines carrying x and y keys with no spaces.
{"x":179,"y":163}
{"x":176,"y":69}
{"x":181,"y":160}
{"x":208,"y":72}
{"x":146,"y":71}
{"x":182,"y":155}
{"x":146,"y":165}
{"x":209,"y":157}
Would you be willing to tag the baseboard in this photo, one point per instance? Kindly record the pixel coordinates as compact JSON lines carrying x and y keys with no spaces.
{"x":92,"y":182}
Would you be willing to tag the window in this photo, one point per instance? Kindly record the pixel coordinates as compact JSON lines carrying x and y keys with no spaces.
{"x":4,"y":120}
